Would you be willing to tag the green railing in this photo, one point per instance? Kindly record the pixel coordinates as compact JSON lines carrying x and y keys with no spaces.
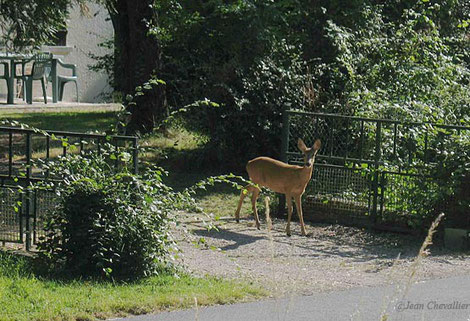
{"x":21,"y":152}
{"x":364,"y":164}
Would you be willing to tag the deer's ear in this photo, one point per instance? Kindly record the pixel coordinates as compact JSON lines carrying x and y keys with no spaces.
{"x":301,"y":145}
{"x":317,"y":144}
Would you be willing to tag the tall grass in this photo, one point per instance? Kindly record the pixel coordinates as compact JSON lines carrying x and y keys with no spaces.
{"x":403,"y":287}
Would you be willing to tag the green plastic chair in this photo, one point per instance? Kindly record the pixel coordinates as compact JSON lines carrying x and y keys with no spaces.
{"x":40,"y":71}
{"x":62,"y":80}
{"x":6,"y":72}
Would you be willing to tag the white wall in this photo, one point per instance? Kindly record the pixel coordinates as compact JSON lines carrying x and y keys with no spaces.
{"x":84,"y":35}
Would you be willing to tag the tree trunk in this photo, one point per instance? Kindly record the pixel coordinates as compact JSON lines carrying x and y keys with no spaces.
{"x":137,"y":59}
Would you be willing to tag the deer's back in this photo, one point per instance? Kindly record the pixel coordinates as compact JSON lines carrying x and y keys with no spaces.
{"x":278,"y":176}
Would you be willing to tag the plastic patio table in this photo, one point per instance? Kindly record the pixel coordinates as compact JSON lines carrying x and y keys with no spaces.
{"x":18,"y":57}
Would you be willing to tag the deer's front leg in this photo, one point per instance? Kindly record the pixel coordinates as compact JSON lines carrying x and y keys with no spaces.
{"x":289,"y":213}
{"x":298,"y":204}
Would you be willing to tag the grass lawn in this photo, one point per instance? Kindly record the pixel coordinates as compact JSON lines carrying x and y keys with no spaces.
{"x":23,"y":296}
{"x":66,"y":121}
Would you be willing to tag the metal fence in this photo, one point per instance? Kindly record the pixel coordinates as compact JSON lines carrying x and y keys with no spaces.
{"x":11,"y":224}
{"x":22,"y":151}
{"x":368,"y":171}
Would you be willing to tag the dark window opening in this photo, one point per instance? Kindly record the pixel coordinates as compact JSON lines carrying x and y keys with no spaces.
{"x":60,"y":38}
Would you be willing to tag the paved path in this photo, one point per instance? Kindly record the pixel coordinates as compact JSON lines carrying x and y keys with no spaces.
{"x":442,"y":299}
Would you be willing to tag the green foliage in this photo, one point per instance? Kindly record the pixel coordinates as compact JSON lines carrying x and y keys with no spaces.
{"x":253,"y":112}
{"x":445,"y":166}
{"x":411,"y":65}
{"x":452,"y":173}
{"x":113,"y":225}
{"x":437,"y":160}
{"x":26,"y":24}
{"x":232,"y":54}
{"x":106,"y":224}
{"x":402,"y":60}
{"x":405,"y":71}
{"x":15,"y":266}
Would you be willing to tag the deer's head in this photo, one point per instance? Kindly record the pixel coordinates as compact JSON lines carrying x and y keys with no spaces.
{"x":309,"y":153}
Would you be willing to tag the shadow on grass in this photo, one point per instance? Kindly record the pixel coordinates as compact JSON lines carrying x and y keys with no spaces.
{"x":188,"y":167}
{"x":67,"y":121}
{"x":17,"y":264}
{"x":28,"y":265}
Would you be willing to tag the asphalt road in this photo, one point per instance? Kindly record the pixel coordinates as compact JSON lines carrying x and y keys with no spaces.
{"x":442,"y":299}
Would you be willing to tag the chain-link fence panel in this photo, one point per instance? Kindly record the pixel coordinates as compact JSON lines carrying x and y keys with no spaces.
{"x":335,"y":191}
{"x":370,"y":170}
{"x":400,"y":194}
{"x":11,"y":225}
{"x":44,"y":202}
{"x":343,"y":139}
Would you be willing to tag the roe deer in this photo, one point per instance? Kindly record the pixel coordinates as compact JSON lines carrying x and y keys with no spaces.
{"x":283,"y":178}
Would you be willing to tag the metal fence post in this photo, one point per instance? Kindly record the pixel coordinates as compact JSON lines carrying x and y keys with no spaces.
{"x":135,"y":154}
{"x":382,"y":183}
{"x":281,"y":209}
{"x":375,"y":182}
{"x":285,"y":135}
{"x":28,"y":192}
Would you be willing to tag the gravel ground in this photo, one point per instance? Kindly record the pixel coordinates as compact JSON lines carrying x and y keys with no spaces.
{"x":331,"y":257}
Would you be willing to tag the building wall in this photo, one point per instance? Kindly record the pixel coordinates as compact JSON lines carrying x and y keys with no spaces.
{"x":84,"y":35}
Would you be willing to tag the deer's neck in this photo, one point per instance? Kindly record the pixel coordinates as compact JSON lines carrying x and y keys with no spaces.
{"x":307,"y":172}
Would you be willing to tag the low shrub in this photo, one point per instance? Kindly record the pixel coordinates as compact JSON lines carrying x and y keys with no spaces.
{"x":452,"y":174}
{"x":107,"y":225}
{"x":442,"y":184}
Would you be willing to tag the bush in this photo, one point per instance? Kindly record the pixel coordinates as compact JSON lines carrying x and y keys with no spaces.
{"x":405,"y":69}
{"x":253,"y":113}
{"x":107,"y":225}
{"x":453,"y":182}
{"x":442,"y":181}
{"x":239,"y":59}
